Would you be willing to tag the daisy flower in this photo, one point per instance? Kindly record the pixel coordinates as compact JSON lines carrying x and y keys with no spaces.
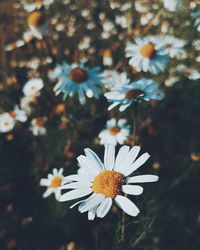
{"x":147,"y":54}
{"x":114,"y":80}
{"x":36,"y":5}
{"x":197,"y":21}
{"x":37,"y":126}
{"x":174,"y":5}
{"x":76,"y":79}
{"x":53,"y":183}
{"x":143,"y":89}
{"x":33,"y":86}
{"x":115,"y":132}
{"x":7,"y":122}
{"x":106,"y":182}
{"x":18,"y":114}
{"x":36,"y":24}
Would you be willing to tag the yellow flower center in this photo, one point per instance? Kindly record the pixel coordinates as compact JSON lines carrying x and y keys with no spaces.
{"x":148,"y":50}
{"x":38,"y":2}
{"x":133,"y":94}
{"x":35,"y":19}
{"x":56,"y":182}
{"x":114,"y":130}
{"x":12,"y":113}
{"x":6,"y":124}
{"x":108,"y":183}
{"x":78,"y":75}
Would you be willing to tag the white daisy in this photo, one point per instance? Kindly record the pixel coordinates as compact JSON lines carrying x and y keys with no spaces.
{"x":7,"y":122}
{"x":37,"y":126}
{"x":143,"y":89}
{"x":107,"y":181}
{"x":115,"y":132}
{"x":53,"y":183}
{"x":33,"y":86}
{"x":174,"y":5}
{"x":148,"y":54}
{"x":19,"y":114}
{"x":114,"y":80}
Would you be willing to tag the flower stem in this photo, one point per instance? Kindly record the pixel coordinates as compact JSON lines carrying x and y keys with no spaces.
{"x":134,"y":142}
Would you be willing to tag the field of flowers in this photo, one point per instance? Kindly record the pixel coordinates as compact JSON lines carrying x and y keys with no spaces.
{"x":99,"y":125}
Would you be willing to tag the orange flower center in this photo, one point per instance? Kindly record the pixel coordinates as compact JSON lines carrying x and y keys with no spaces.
{"x":56,"y":182}
{"x":38,"y":2}
{"x":12,"y":113}
{"x":6,"y":124}
{"x":39,"y":122}
{"x":133,"y":94}
{"x":78,"y":75}
{"x":148,"y":50}
{"x":35,"y":19}
{"x":108,"y":183}
{"x":114,"y":130}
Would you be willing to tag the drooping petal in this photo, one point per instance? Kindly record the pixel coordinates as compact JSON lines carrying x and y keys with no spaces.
{"x":132,"y":189}
{"x":75,"y":194}
{"x":109,"y":157}
{"x":92,"y":213}
{"x":142,"y":178}
{"x":93,"y":201}
{"x":126,"y":205}
{"x":104,"y":207}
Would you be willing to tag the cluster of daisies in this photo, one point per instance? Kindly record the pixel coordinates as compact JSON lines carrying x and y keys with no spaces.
{"x":23,"y":111}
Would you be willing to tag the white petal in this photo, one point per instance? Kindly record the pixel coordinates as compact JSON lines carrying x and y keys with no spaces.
{"x":76,"y":185}
{"x":48,"y":192}
{"x":77,"y":177}
{"x":93,"y":201}
{"x":57,"y":193}
{"x":140,"y":161}
{"x":75,"y":194}
{"x":126,"y":205}
{"x":109,"y":157}
{"x":104,"y":207}
{"x":132,"y":189}
{"x":87,"y":165}
{"x":92,"y":213}
{"x":45,"y":182}
{"x":93,"y":157}
{"x":142,"y":178}
{"x":129,"y":159}
{"x":121,"y":156}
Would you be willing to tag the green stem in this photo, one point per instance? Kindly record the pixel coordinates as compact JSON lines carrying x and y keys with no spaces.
{"x":134,"y":142}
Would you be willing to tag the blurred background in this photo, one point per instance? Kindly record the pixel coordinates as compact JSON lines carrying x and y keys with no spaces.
{"x":96,"y":32}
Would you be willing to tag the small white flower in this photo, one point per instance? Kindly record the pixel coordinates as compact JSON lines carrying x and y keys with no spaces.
{"x":33,"y":86}
{"x":37,"y":126}
{"x":174,"y":5}
{"x":53,"y":183}
{"x":7,"y":122}
{"x":20,"y":114}
{"x":106,"y":182}
{"x":148,"y":54}
{"x":115,"y":132}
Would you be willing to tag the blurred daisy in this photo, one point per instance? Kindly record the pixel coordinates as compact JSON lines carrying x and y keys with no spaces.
{"x":143,"y":89}
{"x":148,"y":54}
{"x":115,"y":80}
{"x":36,"y":5}
{"x":18,"y":114}
{"x":173,"y":5}
{"x":33,"y":86}
{"x":37,"y":25}
{"x":77,"y":79}
{"x":197,"y":21}
{"x":107,"y":181}
{"x":115,"y":132}
{"x":7,"y":122}
{"x":53,"y":183}
{"x":37,"y":126}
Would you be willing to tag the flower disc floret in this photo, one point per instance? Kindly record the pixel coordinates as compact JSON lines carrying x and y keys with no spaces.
{"x":148,"y":50}
{"x":134,"y":94}
{"x":108,"y":183}
{"x":114,"y":130}
{"x":35,"y":19}
{"x":78,"y":75}
{"x":56,"y":182}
